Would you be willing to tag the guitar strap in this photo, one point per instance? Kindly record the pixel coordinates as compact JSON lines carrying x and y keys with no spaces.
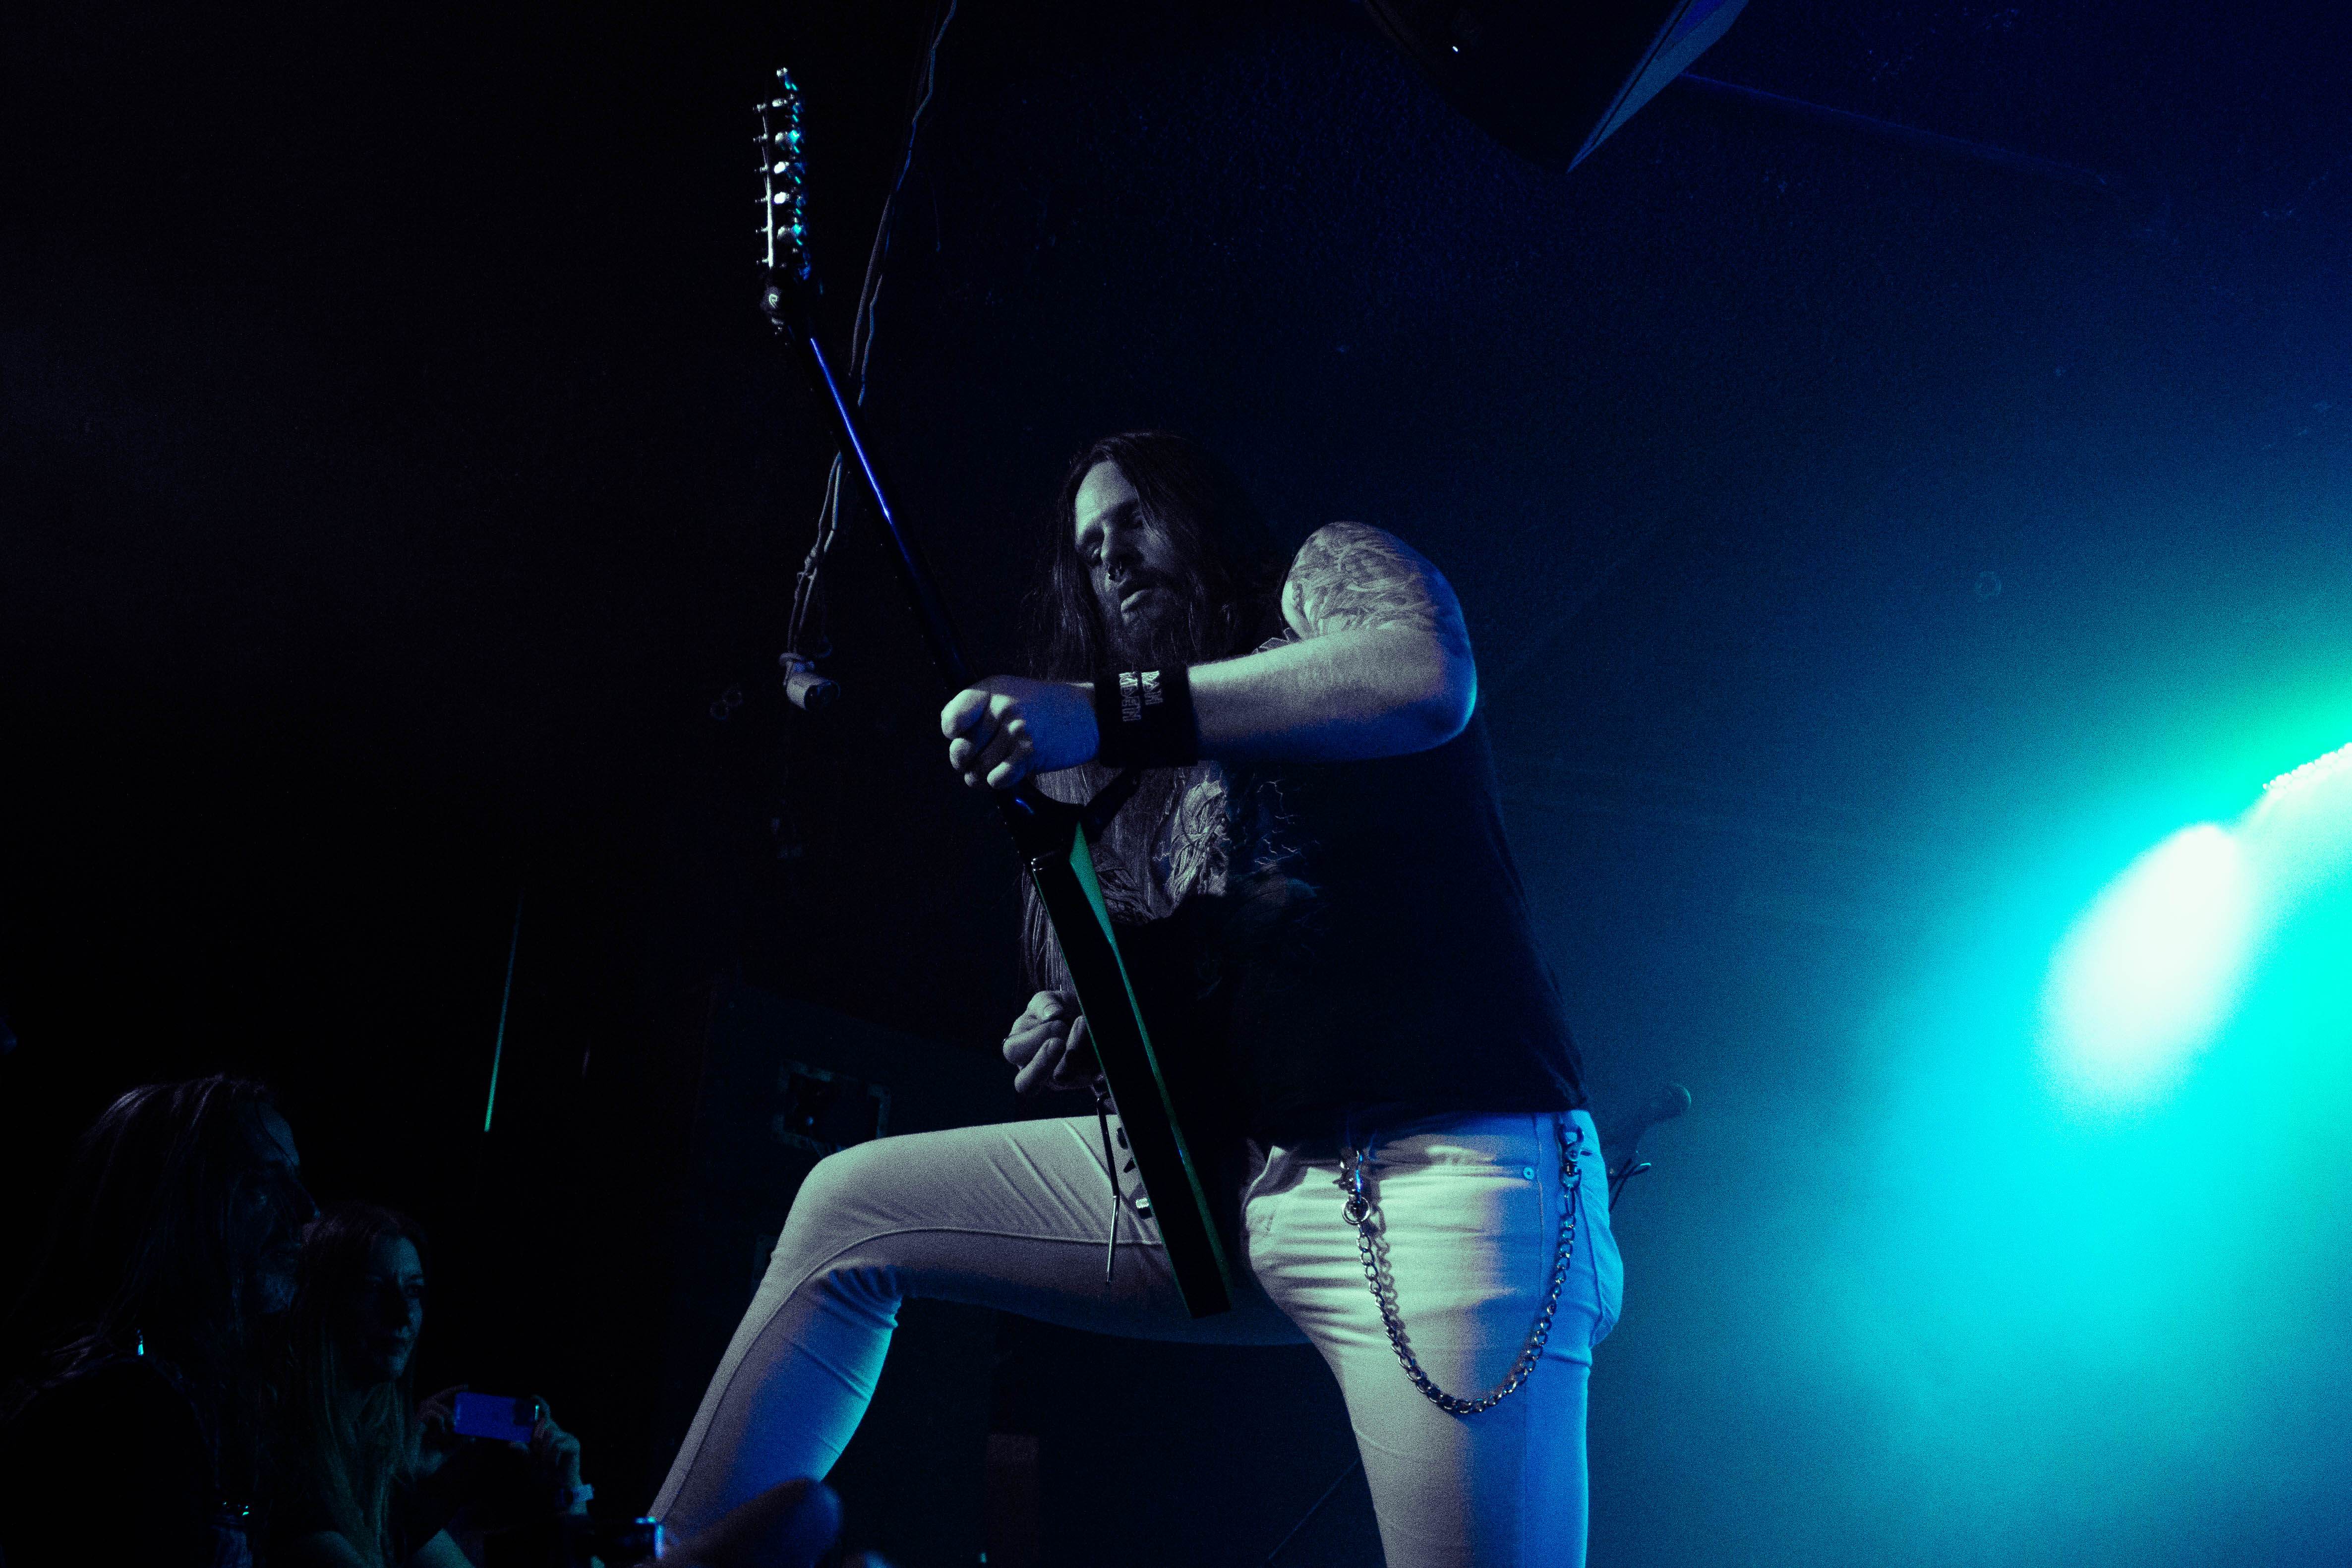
{"x":1093,"y":818}
{"x":1096,"y":813}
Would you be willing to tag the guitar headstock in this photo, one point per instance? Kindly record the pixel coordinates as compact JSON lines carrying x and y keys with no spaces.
{"x":783,"y":181}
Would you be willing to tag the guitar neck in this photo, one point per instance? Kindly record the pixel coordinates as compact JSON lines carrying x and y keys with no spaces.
{"x":1053,"y":851}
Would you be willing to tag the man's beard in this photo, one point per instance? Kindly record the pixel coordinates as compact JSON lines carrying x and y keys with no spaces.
{"x":1179,"y":630}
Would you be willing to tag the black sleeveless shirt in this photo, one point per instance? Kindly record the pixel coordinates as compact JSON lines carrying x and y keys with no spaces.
{"x":1372,"y":957}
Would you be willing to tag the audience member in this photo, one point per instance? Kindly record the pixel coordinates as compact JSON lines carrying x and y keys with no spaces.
{"x":130,"y":1382}
{"x":364,"y":1481}
{"x":134,"y":1378}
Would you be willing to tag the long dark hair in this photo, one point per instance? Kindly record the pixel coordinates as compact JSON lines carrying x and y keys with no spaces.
{"x":348,"y":1462}
{"x":1233,"y":570}
{"x":165,"y":1209}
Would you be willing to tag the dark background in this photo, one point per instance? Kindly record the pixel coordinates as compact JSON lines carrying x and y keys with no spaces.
{"x":394,"y":473}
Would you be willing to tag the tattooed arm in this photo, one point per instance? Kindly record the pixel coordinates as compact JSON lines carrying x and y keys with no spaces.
{"x":1382,"y":666}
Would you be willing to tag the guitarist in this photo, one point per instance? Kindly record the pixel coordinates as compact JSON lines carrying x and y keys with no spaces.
{"x":1325,"y":927}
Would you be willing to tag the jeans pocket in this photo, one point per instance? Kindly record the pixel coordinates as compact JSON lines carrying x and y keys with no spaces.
{"x":1605,"y":1266}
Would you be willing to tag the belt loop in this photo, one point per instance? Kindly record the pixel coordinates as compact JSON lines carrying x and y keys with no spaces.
{"x":1544,"y":1167}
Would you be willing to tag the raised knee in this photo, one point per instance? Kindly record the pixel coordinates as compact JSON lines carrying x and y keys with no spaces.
{"x":841,"y":1205}
{"x":849,"y":1179}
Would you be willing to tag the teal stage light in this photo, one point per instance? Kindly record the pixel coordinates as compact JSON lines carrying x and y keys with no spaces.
{"x":2153,"y":971}
{"x":2148,"y":974}
{"x":2090,"y":1250}
{"x":2313,"y":773}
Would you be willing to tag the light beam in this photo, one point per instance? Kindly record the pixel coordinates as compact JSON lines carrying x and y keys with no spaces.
{"x":2150,"y":973}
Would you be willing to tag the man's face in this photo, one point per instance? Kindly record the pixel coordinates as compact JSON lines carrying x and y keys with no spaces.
{"x":275,"y":1209}
{"x":1131,"y":564}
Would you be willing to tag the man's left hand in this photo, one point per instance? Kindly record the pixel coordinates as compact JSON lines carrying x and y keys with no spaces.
{"x":1007,"y":727}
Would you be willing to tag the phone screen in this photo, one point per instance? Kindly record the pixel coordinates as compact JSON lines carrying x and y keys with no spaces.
{"x":493,"y":1416}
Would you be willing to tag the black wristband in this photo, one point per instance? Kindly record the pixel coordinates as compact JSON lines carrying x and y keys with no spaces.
{"x":1145,"y":719}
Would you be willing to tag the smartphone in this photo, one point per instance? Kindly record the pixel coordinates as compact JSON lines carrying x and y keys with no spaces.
{"x":491,"y":1415}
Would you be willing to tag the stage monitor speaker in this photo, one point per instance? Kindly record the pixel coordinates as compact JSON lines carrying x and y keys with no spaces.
{"x":1550,"y":80}
{"x":785,"y":1083}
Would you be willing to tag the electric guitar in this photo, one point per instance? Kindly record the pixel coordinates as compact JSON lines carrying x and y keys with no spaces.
{"x":1049,"y":835}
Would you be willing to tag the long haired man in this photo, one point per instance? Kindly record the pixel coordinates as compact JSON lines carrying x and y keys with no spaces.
{"x":1320,"y":913}
{"x":132,"y":1376}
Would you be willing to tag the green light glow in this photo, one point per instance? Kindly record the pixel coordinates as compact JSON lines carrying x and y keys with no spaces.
{"x":2157,"y":967}
{"x":2315,"y":770}
{"x":2151,"y":971}
{"x":2095,"y":1243}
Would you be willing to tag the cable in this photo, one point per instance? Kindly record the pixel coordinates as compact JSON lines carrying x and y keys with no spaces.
{"x":1353,"y":1464}
{"x":861,"y":331}
{"x":505,"y":999}
{"x":804,"y":587}
{"x":1846,"y":119}
{"x":806,"y":688}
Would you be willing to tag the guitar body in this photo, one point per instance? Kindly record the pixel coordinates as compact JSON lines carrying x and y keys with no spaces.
{"x":1047,"y":834}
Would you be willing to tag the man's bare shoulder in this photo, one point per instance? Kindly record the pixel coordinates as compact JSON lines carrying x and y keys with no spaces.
{"x":1353,"y":575}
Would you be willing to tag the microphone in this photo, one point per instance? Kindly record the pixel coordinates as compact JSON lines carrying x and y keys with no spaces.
{"x":1623,"y":1131}
{"x":1667,"y":1103}
{"x":1621,"y":1138}
{"x":810,"y":692}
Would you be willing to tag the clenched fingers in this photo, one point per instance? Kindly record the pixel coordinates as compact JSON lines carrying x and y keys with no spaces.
{"x":1040,"y":1070}
{"x":1021,"y":1047}
{"x":1057,"y":1058}
{"x":989,"y":740}
{"x":966,"y":710}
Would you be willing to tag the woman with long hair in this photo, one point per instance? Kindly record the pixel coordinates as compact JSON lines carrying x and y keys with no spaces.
{"x":130,"y":1375}
{"x":360,"y":1488}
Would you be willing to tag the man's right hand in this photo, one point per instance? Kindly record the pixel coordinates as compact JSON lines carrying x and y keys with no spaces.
{"x":1048,"y":1045}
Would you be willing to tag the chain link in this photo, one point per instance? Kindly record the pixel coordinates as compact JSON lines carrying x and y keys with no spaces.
{"x":1361,"y":1214}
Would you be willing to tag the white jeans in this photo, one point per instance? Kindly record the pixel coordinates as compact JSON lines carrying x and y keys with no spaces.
{"x":1014,"y":1217}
